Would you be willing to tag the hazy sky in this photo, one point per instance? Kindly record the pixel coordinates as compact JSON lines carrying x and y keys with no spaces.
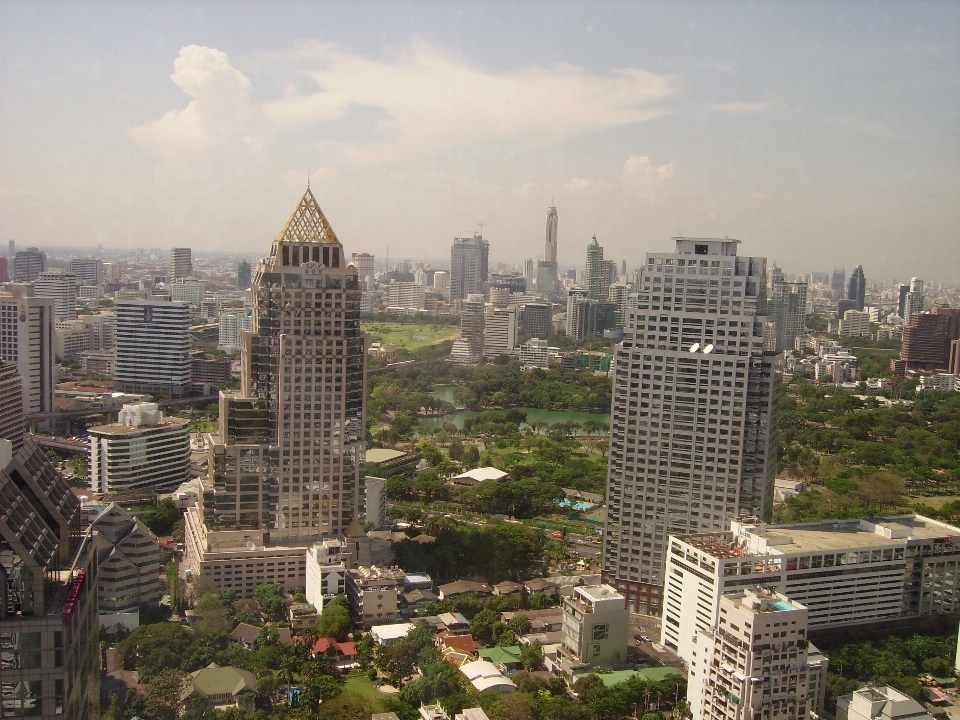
{"x":819,"y":134}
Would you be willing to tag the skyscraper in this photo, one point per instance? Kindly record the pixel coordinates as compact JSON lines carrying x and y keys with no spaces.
{"x":27,"y":340}
{"x":468,"y":267}
{"x":62,"y":287}
{"x":4,"y":270}
{"x":88,"y":271}
{"x":181,"y":263}
{"x":12,"y":426}
{"x":547,"y":268}
{"x":787,"y":306}
{"x":153,"y":347}
{"x":582,"y":314}
{"x":365,"y":264}
{"x":694,"y":410}
{"x":913,"y":302}
{"x":838,"y":282}
{"x":599,"y":272}
{"x":857,"y":287}
{"x":902,"y":299}
{"x":288,"y":460}
{"x":28,"y":264}
{"x":244,"y":274}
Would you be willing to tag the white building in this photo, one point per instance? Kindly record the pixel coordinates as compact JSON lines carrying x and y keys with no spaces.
{"x":364,"y":262}
{"x":845,"y":572}
{"x":27,"y":340}
{"x":187,"y":291}
{"x":535,"y":353}
{"x":232,"y":323}
{"x":141,"y":452}
{"x":694,"y":402}
{"x":62,"y":287}
{"x":484,"y":675}
{"x":153,"y":347}
{"x":441,"y":281}
{"x":375,"y":502}
{"x":500,"y":332}
{"x":595,"y":629}
{"x":87,"y":271}
{"x":326,"y":572}
{"x":880,"y":703}
{"x":753,"y":662}
{"x":939,"y":382}
{"x":405,"y":296}
{"x":855,"y":323}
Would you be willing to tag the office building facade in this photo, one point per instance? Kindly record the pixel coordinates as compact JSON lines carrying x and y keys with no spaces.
{"x":27,"y":340}
{"x":599,"y":272}
{"x":405,"y":296}
{"x":582,"y":314}
{"x":787,"y":307}
{"x":694,"y":412}
{"x":244,"y":275}
{"x":366,"y":269}
{"x":28,"y":264}
{"x":876,"y":571}
{"x":153,"y":347}
{"x":288,"y":458}
{"x":62,"y":287}
{"x":87,"y":271}
{"x":500,"y":332}
{"x":468,"y":267}
{"x":857,"y":287}
{"x":142,"y":452}
{"x":181,"y":263}
{"x":12,"y":426}
{"x":536,"y":320}
{"x":913,"y":302}
{"x":48,"y":622}
{"x":128,"y":554}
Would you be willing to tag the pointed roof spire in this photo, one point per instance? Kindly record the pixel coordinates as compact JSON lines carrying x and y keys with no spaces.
{"x":307,"y":223}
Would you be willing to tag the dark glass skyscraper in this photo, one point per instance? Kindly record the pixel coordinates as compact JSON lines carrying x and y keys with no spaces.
{"x":857,"y":287}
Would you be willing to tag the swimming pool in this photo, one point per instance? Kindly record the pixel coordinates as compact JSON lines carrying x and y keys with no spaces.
{"x":578,"y":505}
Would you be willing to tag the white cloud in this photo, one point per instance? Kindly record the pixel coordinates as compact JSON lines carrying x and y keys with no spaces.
{"x":640,"y":179}
{"x":430,"y":101}
{"x":742,"y":108}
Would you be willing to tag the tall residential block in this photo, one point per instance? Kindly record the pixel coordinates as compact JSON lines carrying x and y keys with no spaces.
{"x":153,"y":347}
{"x":287,"y":462}
{"x":787,"y":307}
{"x":232,"y":325}
{"x":468,"y":267}
{"x":12,"y":426}
{"x":244,"y":274}
{"x":27,"y":340}
{"x":142,"y":452}
{"x":4,"y":270}
{"x":28,"y":264}
{"x":582,"y":314}
{"x":181,"y":263}
{"x":753,"y":662}
{"x":694,"y":412}
{"x":48,"y":582}
{"x":88,"y":271}
{"x":365,"y":264}
{"x":500,"y":332}
{"x":881,"y":573}
{"x":468,"y":348}
{"x":62,"y":287}
{"x":406,"y":296}
{"x":599,"y":272}
{"x":913,"y":302}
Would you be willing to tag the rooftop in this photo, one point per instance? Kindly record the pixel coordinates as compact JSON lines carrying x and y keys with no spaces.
{"x":379,"y":455}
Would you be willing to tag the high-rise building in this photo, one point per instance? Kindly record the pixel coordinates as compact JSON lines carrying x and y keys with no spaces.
{"x":468,"y":348}
{"x":48,"y":582}
{"x":926,"y":342}
{"x":620,"y":297}
{"x":536,"y":320}
{"x":88,"y":271}
{"x":599,"y":272}
{"x":28,"y":264}
{"x":550,"y":246}
{"x":232,"y":324}
{"x":441,"y":281}
{"x":244,"y":273}
{"x":857,"y":287}
{"x":500,"y":332}
{"x":366,"y":269}
{"x":4,"y":270}
{"x":753,"y":662}
{"x":787,"y":307}
{"x":153,"y":347}
{"x":62,"y":287}
{"x":902,"y":299}
{"x":838,"y":282}
{"x":11,"y":248}
{"x":27,"y":340}
{"x":142,"y":452}
{"x":913,"y":302}
{"x":582,"y":312}
{"x":694,"y":410}
{"x":288,"y":459}
{"x":181,"y":263}
{"x":405,"y":296}
{"x":190,"y":292}
{"x":12,"y":426}
{"x":468,"y":267}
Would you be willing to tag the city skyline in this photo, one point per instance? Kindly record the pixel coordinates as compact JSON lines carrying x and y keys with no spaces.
{"x":778,"y":129}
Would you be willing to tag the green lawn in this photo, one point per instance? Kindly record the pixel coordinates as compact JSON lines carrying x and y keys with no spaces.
{"x":410,"y":337}
{"x":361,"y":685}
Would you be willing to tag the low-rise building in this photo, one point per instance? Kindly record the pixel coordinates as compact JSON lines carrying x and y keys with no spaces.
{"x":326,"y":572}
{"x":374,"y":594}
{"x":222,"y":687}
{"x":753,"y":663}
{"x":878,"y":571}
{"x":484,"y":675}
{"x":245,"y":635}
{"x":388,"y":634}
{"x":478,"y":475}
{"x":595,"y":629}
{"x":535,"y":353}
{"x":462,"y":587}
{"x":880,"y":703}
{"x":142,"y":452}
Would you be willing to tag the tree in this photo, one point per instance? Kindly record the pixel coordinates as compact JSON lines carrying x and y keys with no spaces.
{"x":486,"y":626}
{"x":150,"y":649}
{"x":52,"y":457}
{"x":531,"y":656}
{"x":520,"y":624}
{"x":164,"y":693}
{"x":540,"y":601}
{"x":334,"y":622}
{"x":273,"y":604}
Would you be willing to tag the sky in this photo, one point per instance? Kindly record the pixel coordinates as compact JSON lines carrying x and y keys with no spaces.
{"x":820,"y":134}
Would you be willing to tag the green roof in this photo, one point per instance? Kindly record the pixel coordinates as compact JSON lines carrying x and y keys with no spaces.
{"x":654,"y":674}
{"x":216,"y":680}
{"x":505,"y":655}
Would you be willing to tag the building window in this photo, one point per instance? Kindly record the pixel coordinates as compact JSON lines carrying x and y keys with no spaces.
{"x":601,"y":632}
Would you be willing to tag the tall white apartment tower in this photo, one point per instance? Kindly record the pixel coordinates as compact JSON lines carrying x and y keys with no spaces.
{"x":181,"y":263}
{"x":693,"y":412}
{"x":62,"y":287}
{"x":27,"y":341}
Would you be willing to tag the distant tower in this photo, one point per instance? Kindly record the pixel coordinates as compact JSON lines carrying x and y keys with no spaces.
{"x":838,"y":281}
{"x":550,"y":247}
{"x":599,"y":272}
{"x":913,"y":302}
{"x":244,"y":273}
{"x":468,"y":267}
{"x":12,"y":248}
{"x":28,"y":264}
{"x":181,"y":263}
{"x":857,"y":288}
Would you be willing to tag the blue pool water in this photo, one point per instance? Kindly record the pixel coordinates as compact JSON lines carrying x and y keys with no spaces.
{"x":579,"y":505}
{"x":781,"y":605}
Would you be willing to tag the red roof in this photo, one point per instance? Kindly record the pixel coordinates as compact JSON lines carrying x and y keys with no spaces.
{"x":459,"y":643}
{"x":347,"y":649}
